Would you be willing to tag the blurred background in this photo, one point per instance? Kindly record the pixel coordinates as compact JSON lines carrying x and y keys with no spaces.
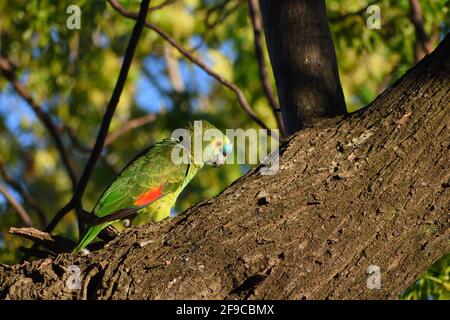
{"x":70,"y":74}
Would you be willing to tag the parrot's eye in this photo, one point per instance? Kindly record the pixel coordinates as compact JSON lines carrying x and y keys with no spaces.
{"x":219,"y":143}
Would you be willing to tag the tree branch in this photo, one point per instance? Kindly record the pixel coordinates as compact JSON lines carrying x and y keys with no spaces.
{"x":56,"y":244}
{"x":239,"y":94}
{"x":7,"y":69}
{"x":16,"y":205}
{"x":27,"y":198}
{"x":128,"y":126}
{"x":161,"y":5}
{"x":222,"y":14}
{"x":104,"y":127}
{"x":255,"y":17}
{"x":423,"y":44}
{"x":303,"y":60}
{"x":221,"y":17}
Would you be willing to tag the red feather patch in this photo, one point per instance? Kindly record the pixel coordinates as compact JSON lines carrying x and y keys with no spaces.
{"x":150,"y":196}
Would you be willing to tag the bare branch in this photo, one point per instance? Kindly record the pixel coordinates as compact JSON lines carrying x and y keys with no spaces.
{"x":56,"y":244}
{"x":16,"y":205}
{"x":221,"y":17}
{"x":7,"y":69}
{"x":107,"y":117}
{"x":161,"y":5}
{"x":82,"y":148}
{"x":222,"y":13}
{"x":173,"y":69}
{"x":255,"y":17}
{"x":423,"y":43}
{"x":27,"y":198}
{"x":239,"y":94}
{"x":128,"y":126}
{"x":31,"y":234}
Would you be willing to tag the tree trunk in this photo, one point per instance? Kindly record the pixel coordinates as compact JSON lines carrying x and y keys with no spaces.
{"x":304,"y":61}
{"x":368,"y":189}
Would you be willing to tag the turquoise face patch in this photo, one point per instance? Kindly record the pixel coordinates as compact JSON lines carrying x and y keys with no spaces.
{"x":227,"y":148}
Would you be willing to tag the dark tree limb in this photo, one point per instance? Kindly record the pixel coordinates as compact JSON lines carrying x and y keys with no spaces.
{"x":27,"y":198}
{"x":16,"y":206}
{"x":257,"y":24}
{"x":8,"y":71}
{"x":233,"y":87}
{"x":56,"y":244}
{"x":372,"y":188}
{"x":83,"y":148}
{"x":106,"y":120}
{"x":303,"y":61}
{"x":423,"y":44}
{"x":110,"y":138}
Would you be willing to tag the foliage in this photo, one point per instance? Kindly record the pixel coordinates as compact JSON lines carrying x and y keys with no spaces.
{"x":71,"y":73}
{"x":433,"y":284}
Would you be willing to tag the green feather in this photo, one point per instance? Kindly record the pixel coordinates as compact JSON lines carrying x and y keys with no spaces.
{"x":148,"y":170}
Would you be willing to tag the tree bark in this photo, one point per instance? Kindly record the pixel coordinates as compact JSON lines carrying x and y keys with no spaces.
{"x":303,"y":60}
{"x":368,"y":189}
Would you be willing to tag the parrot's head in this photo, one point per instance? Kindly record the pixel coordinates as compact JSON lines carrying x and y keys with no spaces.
{"x":217,"y":151}
{"x":216,"y":145}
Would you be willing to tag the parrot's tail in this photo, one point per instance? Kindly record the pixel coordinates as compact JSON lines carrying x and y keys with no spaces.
{"x":90,"y":235}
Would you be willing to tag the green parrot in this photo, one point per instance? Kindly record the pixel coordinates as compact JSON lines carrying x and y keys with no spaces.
{"x":149,"y":185}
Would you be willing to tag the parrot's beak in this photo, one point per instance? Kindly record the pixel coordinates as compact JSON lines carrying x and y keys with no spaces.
{"x":219,"y":160}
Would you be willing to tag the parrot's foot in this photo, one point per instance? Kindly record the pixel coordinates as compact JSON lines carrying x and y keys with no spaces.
{"x":126,"y":223}
{"x":85,"y":252}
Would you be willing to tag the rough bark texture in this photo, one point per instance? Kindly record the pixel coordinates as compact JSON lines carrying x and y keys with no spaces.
{"x":369,"y":189}
{"x":304,"y":61}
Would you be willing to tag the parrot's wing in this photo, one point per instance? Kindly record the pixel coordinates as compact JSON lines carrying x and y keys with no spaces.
{"x":120,"y":214}
{"x":145,"y":180}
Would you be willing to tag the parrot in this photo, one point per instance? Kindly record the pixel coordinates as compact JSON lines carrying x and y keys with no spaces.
{"x":148,"y":186}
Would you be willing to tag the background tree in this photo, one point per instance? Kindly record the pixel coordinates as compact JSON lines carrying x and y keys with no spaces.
{"x":68,"y":75}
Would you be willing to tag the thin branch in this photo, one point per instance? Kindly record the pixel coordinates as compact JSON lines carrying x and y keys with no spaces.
{"x":209,"y":26}
{"x":239,"y":94}
{"x":173,"y":69}
{"x":222,"y":15}
{"x":128,"y":126}
{"x":16,"y":205}
{"x":27,"y":198}
{"x":107,"y":117}
{"x":255,"y":17}
{"x":7,"y":69}
{"x":422,"y":40}
{"x":75,"y":141}
{"x":56,"y":244}
{"x":161,"y":5}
